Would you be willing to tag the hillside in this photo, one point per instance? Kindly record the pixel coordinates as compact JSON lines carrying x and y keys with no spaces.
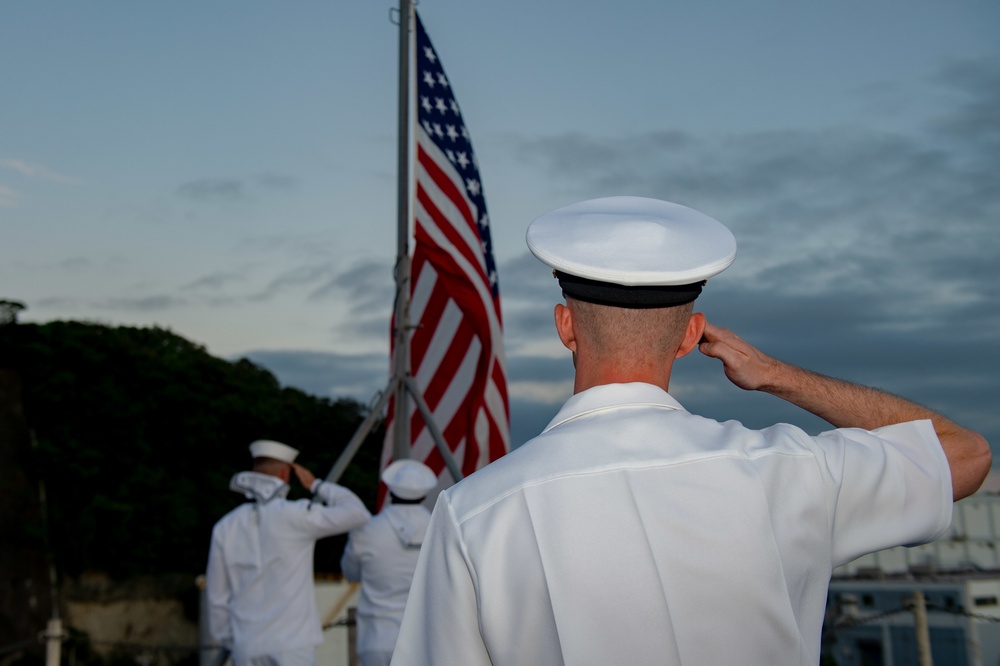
{"x":133,"y":434}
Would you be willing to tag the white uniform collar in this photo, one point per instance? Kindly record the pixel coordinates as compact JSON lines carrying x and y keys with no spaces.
{"x":608,"y":396}
{"x":401,"y":518}
{"x":257,"y":486}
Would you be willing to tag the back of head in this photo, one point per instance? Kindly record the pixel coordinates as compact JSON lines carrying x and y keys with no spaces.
{"x":270,"y":466}
{"x":629,"y":335}
{"x":630,"y":269}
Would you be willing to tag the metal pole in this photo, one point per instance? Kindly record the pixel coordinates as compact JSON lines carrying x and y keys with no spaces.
{"x":401,"y":357}
{"x":359,"y":435}
{"x":352,"y":637}
{"x":922,"y":629}
{"x":449,"y":459}
{"x":53,"y":634}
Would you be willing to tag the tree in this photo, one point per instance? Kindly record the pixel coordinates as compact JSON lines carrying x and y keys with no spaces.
{"x":9,"y":310}
{"x":138,"y":431}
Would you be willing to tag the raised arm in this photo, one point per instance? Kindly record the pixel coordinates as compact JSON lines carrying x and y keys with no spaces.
{"x":847,"y":405}
{"x":341,"y":511}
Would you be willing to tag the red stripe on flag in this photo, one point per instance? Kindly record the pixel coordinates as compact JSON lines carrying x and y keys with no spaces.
{"x":444,"y":375}
{"x":424,"y":334}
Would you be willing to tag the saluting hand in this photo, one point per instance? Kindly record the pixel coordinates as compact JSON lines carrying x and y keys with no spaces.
{"x":744,"y":365}
{"x":306,"y":478}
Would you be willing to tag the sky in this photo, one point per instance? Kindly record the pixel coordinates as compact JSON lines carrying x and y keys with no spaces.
{"x":227,"y":171}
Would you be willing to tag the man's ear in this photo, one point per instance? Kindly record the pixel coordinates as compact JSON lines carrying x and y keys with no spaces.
{"x":564,"y":327}
{"x":692,"y":334}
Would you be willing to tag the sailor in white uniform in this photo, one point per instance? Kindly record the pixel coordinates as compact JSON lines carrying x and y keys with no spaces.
{"x":631,"y":531}
{"x":259,"y":581}
{"x":382,"y":556}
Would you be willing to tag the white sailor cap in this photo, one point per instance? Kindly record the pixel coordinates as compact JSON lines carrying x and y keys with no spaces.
{"x":409,"y":479}
{"x":631,"y":252}
{"x":266,"y":448}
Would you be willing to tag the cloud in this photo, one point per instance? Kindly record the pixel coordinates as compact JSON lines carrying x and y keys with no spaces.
{"x":35,"y":171}
{"x":375,"y":327}
{"x":528,"y":293}
{"x":977,"y":82}
{"x":327,"y":374}
{"x":209,"y":190}
{"x":214,"y":281}
{"x":542,"y":369}
{"x":302,"y":276}
{"x":213,"y":189}
{"x":75,"y":264}
{"x":8,"y":197}
{"x":363,"y":289}
{"x":368,"y":284}
{"x":56,"y":303}
{"x":272,"y":181}
{"x":530,"y":326}
{"x":153,"y":303}
{"x":369,"y":289}
{"x":864,"y":254}
{"x":839,"y":206}
{"x":521,"y":277}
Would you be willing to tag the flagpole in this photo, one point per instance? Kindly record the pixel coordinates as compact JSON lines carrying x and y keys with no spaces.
{"x":401,"y":356}
{"x":405,"y":386}
{"x":401,"y":384}
{"x":399,"y":371}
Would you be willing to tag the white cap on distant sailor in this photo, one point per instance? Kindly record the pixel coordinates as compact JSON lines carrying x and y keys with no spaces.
{"x":631,"y":251}
{"x":266,"y":448}
{"x":409,"y":479}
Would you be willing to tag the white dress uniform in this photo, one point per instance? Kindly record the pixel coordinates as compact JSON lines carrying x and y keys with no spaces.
{"x":633,"y":532}
{"x":382,"y":556}
{"x":259,"y":581}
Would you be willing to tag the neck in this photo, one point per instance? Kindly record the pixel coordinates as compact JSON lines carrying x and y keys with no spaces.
{"x":591,"y":373}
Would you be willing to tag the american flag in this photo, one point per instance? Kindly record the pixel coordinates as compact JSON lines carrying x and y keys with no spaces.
{"x":456,"y":347}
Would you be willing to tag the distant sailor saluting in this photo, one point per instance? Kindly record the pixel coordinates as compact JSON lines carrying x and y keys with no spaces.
{"x":634,"y":532}
{"x":259,"y":580}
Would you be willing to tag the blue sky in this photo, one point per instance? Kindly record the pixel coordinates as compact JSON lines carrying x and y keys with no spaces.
{"x":227,"y":170}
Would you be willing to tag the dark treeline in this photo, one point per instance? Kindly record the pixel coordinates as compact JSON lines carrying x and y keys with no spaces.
{"x":136,"y":432}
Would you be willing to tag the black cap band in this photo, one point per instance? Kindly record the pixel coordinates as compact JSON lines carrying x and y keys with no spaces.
{"x":621,"y":296}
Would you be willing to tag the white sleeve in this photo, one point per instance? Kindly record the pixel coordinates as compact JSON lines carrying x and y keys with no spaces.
{"x":441,"y":622}
{"x":893,"y":486}
{"x":218,"y":595}
{"x":341,"y":511}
